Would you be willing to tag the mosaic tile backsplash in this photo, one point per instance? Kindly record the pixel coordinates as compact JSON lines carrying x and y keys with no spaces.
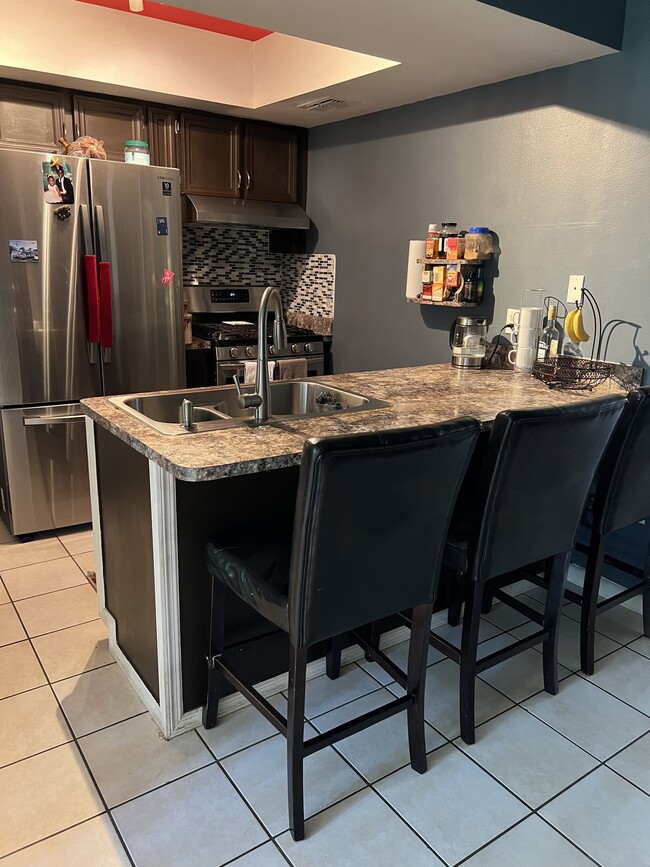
{"x":238,"y":256}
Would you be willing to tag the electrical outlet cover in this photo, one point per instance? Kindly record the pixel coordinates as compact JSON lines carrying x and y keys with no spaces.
{"x":576,"y":285}
{"x":510,"y":315}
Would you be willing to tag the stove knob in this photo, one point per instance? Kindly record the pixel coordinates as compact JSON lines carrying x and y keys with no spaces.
{"x":295,"y":347}
{"x":272,"y":350}
{"x":235,"y":352}
{"x":250,"y":351}
{"x":309,"y":347}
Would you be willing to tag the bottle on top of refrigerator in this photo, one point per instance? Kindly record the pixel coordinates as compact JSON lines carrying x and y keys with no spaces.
{"x":432,"y":243}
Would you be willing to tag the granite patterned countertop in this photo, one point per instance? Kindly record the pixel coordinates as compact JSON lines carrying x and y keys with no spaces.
{"x":417,"y":395}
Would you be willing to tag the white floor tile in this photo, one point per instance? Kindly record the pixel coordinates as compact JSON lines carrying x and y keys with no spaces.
{"x":31,"y":723}
{"x":569,"y":643}
{"x":197,"y":820}
{"x":39,"y":578}
{"x":94,"y":842}
{"x":4,"y":596}
{"x":619,"y":623}
{"x":42,"y":614}
{"x":528,"y":757}
{"x":73,"y":650}
{"x":241,"y":729}
{"x":260,"y":773}
{"x":323,"y":694}
{"x":504,"y":617}
{"x":456,"y":807}
{"x":641,"y":645}
{"x":86,"y":561}
{"x":97,"y":699}
{"x":19,"y":669}
{"x":264,"y":856}
{"x":77,"y":541}
{"x":38,"y":551}
{"x":132,"y":757}
{"x":361,"y":831}
{"x":453,"y":634}
{"x":606,"y":817}
{"x":382,"y":748}
{"x":596,"y":721}
{"x":10,"y":626}
{"x":634,"y":763}
{"x":520,"y":676}
{"x":442,"y":701}
{"x":627,"y":676}
{"x":44,"y":794}
{"x":532,"y":843}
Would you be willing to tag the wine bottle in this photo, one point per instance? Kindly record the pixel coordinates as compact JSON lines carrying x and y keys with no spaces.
{"x":549,"y":339}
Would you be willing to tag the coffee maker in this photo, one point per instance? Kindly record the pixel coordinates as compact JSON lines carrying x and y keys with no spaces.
{"x":467,"y":338}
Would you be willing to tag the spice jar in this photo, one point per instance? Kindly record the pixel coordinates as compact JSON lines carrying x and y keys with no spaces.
{"x":136,"y":152}
{"x":478,"y":243}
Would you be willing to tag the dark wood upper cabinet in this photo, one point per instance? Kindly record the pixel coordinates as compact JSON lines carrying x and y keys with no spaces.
{"x":31,"y":119}
{"x":270,"y":163}
{"x":210,"y":155}
{"x":163,"y":128}
{"x":109,"y":121}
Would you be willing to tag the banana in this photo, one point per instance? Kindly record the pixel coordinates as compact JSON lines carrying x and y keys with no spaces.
{"x":568,"y":326}
{"x":577,"y":325}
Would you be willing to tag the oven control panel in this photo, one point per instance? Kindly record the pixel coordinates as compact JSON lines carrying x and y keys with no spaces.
{"x":229,"y":296}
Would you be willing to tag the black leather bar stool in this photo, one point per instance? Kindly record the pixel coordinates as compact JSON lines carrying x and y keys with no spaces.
{"x":621,"y":497}
{"x":533,"y":484}
{"x":371,"y":518}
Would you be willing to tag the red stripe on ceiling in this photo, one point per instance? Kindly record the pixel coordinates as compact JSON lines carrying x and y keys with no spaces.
{"x":187,"y":18}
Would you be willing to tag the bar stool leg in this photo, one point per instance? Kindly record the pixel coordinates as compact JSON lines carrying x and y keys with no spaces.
{"x":589,"y":608}
{"x":457,"y":594}
{"x":295,"y":741}
{"x":468,"y":649}
{"x":333,"y":657}
{"x":556,"y":571}
{"x":215,"y":648}
{"x":415,"y":684}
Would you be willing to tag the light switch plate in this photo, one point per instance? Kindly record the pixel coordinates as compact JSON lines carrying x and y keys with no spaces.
{"x":576,"y":285}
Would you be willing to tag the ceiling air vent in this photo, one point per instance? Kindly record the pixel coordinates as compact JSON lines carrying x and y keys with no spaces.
{"x":326,"y":104}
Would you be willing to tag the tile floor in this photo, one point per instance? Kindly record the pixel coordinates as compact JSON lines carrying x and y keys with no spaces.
{"x":85,"y":779}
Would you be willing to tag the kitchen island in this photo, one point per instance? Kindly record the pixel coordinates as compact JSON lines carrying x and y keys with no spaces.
{"x":157,"y":499}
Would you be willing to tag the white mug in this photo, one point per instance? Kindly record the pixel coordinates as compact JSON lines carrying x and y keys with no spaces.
{"x":528,"y":317}
{"x":522,"y":357}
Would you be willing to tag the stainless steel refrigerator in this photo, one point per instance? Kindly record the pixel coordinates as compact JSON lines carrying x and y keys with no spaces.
{"x":90,"y":304}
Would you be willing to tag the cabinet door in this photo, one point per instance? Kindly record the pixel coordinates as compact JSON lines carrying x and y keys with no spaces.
{"x":162,"y":129}
{"x":270,"y":163}
{"x":210,"y":156}
{"x":109,"y":121}
{"x":31,"y":119}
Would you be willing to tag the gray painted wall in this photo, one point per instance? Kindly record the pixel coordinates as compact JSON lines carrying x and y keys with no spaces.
{"x":557,"y":163}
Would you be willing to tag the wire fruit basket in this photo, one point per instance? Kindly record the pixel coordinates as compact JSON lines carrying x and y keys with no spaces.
{"x":565,"y":371}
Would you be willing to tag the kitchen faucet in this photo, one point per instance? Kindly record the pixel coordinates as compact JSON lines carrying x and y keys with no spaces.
{"x":261,"y":398}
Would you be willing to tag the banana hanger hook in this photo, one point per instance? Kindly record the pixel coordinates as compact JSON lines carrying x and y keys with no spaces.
{"x":598,"y":321}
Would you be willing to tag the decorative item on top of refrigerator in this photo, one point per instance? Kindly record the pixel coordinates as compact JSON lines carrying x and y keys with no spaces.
{"x":89,"y":305}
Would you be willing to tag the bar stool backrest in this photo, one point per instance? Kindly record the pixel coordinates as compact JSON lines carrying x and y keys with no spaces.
{"x":539,"y":466}
{"x":622,"y":495}
{"x":372,"y":516}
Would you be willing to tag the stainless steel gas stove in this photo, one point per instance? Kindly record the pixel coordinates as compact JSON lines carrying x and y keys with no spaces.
{"x":227,"y":316}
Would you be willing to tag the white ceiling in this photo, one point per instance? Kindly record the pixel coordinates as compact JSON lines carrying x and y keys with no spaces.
{"x":441,"y":46}
{"x":371,"y":54}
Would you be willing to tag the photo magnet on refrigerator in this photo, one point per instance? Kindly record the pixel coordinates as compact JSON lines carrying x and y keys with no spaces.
{"x":161,"y":226}
{"x":167,"y":277}
{"x":166,"y":188}
{"x":23,"y":251}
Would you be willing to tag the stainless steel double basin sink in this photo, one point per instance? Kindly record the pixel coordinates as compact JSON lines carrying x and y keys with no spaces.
{"x":219,"y":408}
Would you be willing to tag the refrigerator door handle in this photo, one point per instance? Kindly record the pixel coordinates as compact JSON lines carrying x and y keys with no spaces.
{"x":41,"y":420}
{"x":91,"y":286}
{"x":105,"y":288}
{"x":106,"y":310}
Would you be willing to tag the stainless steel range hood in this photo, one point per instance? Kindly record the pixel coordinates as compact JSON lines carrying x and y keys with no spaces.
{"x":244,"y":212}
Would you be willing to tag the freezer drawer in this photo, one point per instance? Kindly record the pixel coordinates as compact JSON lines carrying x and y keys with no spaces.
{"x":45,"y":468}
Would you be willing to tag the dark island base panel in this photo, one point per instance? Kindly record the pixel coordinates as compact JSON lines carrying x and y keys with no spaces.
{"x":125,"y":510}
{"x":226,"y":508}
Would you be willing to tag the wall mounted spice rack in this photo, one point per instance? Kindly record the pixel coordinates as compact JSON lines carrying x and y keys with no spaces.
{"x":414,"y":277}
